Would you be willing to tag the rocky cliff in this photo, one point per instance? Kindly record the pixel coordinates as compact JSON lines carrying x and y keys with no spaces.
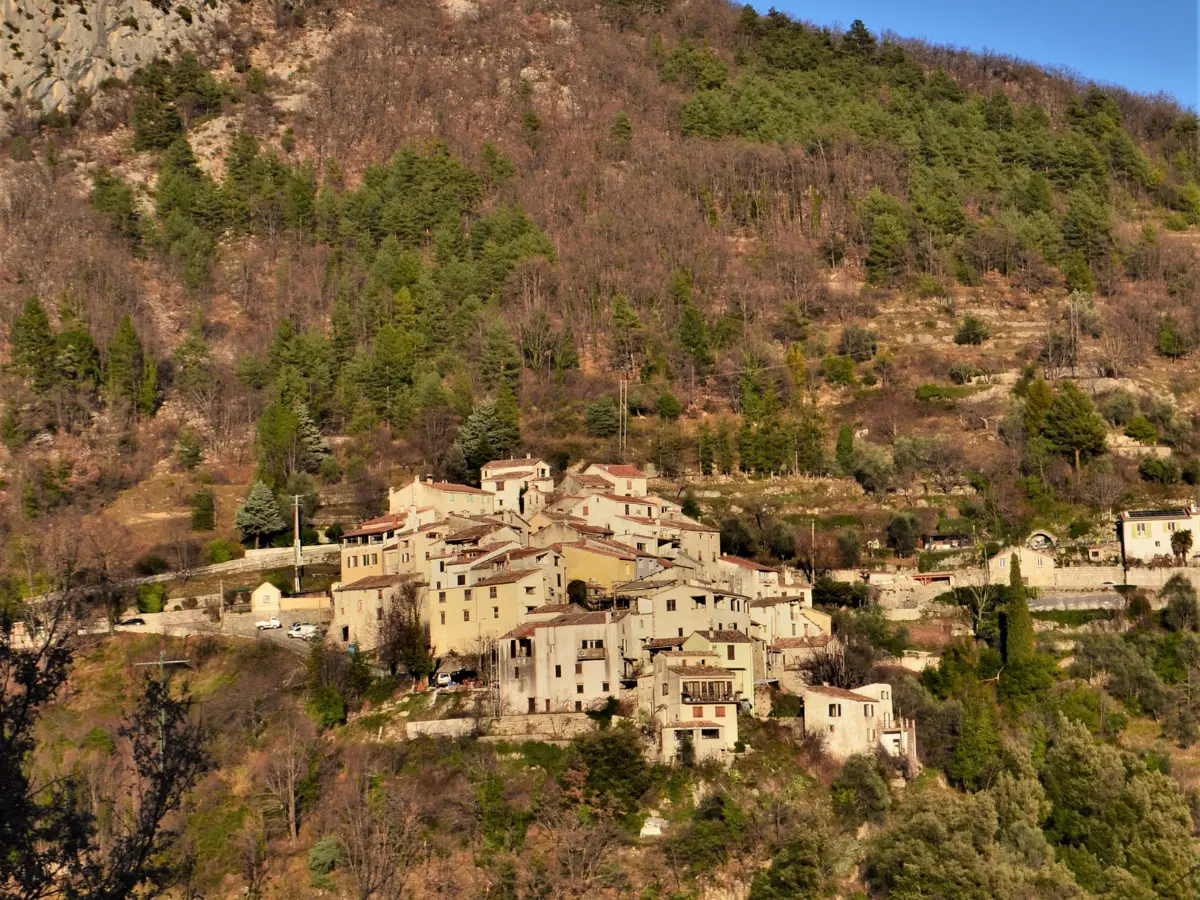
{"x":53,"y":50}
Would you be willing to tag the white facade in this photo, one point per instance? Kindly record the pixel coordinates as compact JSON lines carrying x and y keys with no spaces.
{"x":572,"y":662}
{"x":1147,"y":534}
{"x":443,"y":497}
{"x":265,"y":598}
{"x":511,"y":481}
{"x":858,"y":721}
{"x":626,"y":481}
{"x":1037,"y":568}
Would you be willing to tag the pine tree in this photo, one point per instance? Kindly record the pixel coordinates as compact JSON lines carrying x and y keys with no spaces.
{"x":279,"y":448}
{"x":123,"y":368}
{"x":1018,"y":640}
{"x":499,"y":362}
{"x":1038,"y":400}
{"x":626,"y":334}
{"x":705,"y":449}
{"x":509,"y":414}
{"x":845,"y":449}
{"x":484,"y":436}
{"x":32,"y":345}
{"x":147,"y":398}
{"x":1073,"y":427}
{"x":692,"y":335}
{"x":808,"y":438}
{"x":259,"y":516}
{"x":342,"y":340}
{"x":600,"y":419}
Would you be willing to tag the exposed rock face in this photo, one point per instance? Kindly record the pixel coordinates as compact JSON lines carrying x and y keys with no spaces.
{"x":52,"y":49}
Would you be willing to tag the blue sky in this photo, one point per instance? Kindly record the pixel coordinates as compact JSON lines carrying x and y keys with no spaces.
{"x":1146,"y":46}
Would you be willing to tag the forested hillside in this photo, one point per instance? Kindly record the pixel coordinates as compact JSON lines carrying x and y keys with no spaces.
{"x":859,"y":290}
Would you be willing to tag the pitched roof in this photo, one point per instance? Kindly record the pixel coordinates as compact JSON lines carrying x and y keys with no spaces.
{"x":506,"y":578}
{"x":599,"y":551}
{"x":455,"y":488}
{"x":556,"y":608}
{"x":797,"y":643}
{"x":374,"y":526}
{"x":519,"y":461}
{"x":1174,"y":513}
{"x":509,"y":475}
{"x":375,"y":582}
{"x":839,"y":693}
{"x":470,"y":534}
{"x":698,"y":671}
{"x":658,"y":643}
{"x":726,"y":636}
{"x":620,"y":471}
{"x":594,"y":481}
{"x":685,"y":653}
{"x":775,"y":601}
{"x":691,"y":526}
{"x":746,"y":563}
{"x":696,"y":723}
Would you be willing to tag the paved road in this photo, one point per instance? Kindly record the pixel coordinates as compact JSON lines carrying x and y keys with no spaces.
{"x":236,"y":625}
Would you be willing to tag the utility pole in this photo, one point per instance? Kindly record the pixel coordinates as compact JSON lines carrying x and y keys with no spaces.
{"x":623,"y":417}
{"x":221,"y":602}
{"x":162,"y":664}
{"x":296,"y":544}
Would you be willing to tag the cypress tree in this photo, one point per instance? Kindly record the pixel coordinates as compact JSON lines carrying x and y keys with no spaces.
{"x":259,"y":516}
{"x":845,"y":449}
{"x":1018,"y":637}
{"x":204,"y":510}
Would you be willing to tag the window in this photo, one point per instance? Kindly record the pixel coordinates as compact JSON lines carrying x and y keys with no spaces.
{"x":664,"y":689}
{"x":443,"y":615}
{"x":585,"y":511}
{"x":466,"y":615}
{"x":579,"y":688}
{"x":495,"y":612}
{"x":883,"y":695}
{"x":830,"y":727}
{"x":604,"y":686}
{"x":628,"y":485}
{"x":1139,"y":529}
{"x":491,"y":593}
{"x":378,"y":613}
{"x":466,"y":594}
{"x":441,"y":596}
{"x":1002,"y":563}
{"x":345,"y":634}
{"x":547,"y":706}
{"x":835,"y":710}
{"x":626,"y":509}
{"x":461,"y":580}
{"x":558,"y":671}
{"x":697,"y":712}
{"x":578,"y":668}
{"x":529,"y":589}
{"x":869,"y":710}
{"x":710,"y":734}
{"x":1170,"y":526}
{"x":729,"y":652}
{"x":670,"y":606}
{"x":720,"y":712}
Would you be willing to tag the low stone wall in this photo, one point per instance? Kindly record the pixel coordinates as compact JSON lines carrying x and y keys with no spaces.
{"x":446,"y":728}
{"x":542,"y":726}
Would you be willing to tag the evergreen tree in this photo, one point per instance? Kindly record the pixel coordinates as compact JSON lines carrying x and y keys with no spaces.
{"x":723,"y":453}
{"x":147,"y":397}
{"x":484,"y":436}
{"x":31,"y":340}
{"x":1170,"y":341}
{"x":259,"y":516}
{"x":1018,"y":636}
{"x":704,"y":449}
{"x":280,"y":451}
{"x":188,"y":450}
{"x":76,"y":358}
{"x":1073,"y":427}
{"x":692,"y":335}
{"x":626,"y":334}
{"x":204,"y":510}
{"x":887,"y":256}
{"x":600,"y":418}
{"x":499,"y":363}
{"x":342,"y":341}
{"x":809,"y":440}
{"x":845,"y":450}
{"x":313,"y":446}
{"x":977,"y":754}
{"x":123,"y":367}
{"x":1037,"y":403}
{"x":509,"y":414}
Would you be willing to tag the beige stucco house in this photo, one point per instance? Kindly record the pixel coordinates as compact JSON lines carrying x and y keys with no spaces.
{"x":858,"y":721}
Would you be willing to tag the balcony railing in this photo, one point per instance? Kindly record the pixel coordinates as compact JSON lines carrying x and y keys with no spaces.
{"x":706,"y":697}
{"x":591,"y":653}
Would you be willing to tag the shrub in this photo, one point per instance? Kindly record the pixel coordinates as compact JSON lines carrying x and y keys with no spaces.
{"x":600,"y":419}
{"x":150,"y":564}
{"x":327,"y":706}
{"x":329,"y":470}
{"x":971,"y":330}
{"x":667,"y":406}
{"x":963,"y":372}
{"x":859,"y":793}
{"x":322,"y":859}
{"x":151,"y":598}
{"x":380,"y":690}
{"x":857,"y":342}
{"x":838,"y":370}
{"x":188,"y":451}
{"x":1120,"y":407}
{"x":1158,"y":471}
{"x":1140,"y":429}
{"x":221,"y":550}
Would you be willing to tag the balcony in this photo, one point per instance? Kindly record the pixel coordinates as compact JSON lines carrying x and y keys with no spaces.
{"x":707,"y":697}
{"x":591,"y":653}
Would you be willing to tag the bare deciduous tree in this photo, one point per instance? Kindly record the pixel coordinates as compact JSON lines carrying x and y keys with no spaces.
{"x":288,"y":765}
{"x":377,"y":829}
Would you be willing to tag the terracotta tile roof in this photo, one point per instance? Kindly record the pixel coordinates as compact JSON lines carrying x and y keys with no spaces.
{"x":686,"y":653}
{"x":526,"y":552}
{"x":640,"y":519}
{"x":692,"y":526}
{"x":726,"y":636}
{"x":584,"y":528}
{"x":599,"y":551}
{"x":506,"y":578}
{"x":509,"y":475}
{"x":839,"y":693}
{"x":620,"y":471}
{"x":697,"y":723}
{"x":469,"y":534}
{"x":746,"y":563}
{"x":374,"y":526}
{"x":556,"y":608}
{"x":456,"y":488}
{"x":633,"y":501}
{"x":521,"y":631}
{"x":775,"y":601}
{"x":594,"y":481}
{"x":375,"y":582}
{"x":657,"y":643}
{"x":700,"y":671}
{"x":519,"y":461}
{"x":798,"y":643}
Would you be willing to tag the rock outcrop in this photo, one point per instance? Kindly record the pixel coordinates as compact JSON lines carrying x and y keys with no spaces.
{"x":53,"y":50}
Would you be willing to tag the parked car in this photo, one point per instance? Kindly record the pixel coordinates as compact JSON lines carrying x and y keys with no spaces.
{"x":302,"y":630}
{"x":268,"y":624}
{"x":442,"y":679}
{"x":136,"y":620}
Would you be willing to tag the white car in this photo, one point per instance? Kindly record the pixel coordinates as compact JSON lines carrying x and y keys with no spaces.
{"x":442,"y":679}
{"x":268,"y":624}
{"x":302,"y":630}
